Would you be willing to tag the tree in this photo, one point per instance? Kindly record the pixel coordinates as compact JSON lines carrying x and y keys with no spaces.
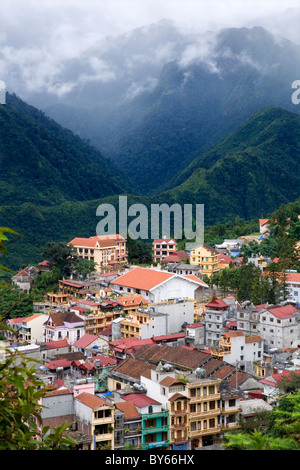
{"x":139,"y":252}
{"x":20,"y":410}
{"x":60,"y":255}
{"x":83,"y":267}
{"x":13,"y":303}
{"x":45,"y":282}
{"x":285,"y":418}
{"x":282,"y":432}
{"x":256,"y":440}
{"x":248,"y":273}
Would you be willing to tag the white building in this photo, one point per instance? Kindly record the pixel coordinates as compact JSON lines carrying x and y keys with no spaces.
{"x":27,"y":329}
{"x":63,"y":325}
{"x":293,"y":285}
{"x":238,"y":349}
{"x":278,"y":326}
{"x":216,"y":315}
{"x":156,"y":286}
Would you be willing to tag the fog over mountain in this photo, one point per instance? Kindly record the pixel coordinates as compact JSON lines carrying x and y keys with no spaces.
{"x":151,"y":84}
{"x":42,"y":41}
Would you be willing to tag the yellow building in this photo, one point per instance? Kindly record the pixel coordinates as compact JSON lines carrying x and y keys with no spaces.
{"x":195,"y":412}
{"x":207,"y":258}
{"x":96,"y":419}
{"x":103,"y":252}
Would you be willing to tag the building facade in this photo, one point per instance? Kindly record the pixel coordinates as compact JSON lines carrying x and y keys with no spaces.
{"x":207,"y":258}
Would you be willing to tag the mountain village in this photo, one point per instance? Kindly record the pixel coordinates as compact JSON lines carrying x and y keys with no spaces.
{"x":156,"y":358}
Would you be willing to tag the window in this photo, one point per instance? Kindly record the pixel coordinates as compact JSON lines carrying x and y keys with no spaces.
{"x":212,"y":423}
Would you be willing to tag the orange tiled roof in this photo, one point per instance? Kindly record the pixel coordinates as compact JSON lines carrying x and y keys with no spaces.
{"x":129,"y":409}
{"x":134,"y":300}
{"x":293,"y":277}
{"x":92,"y":401}
{"x":114,"y":236}
{"x":192,"y":277}
{"x":142,"y":278}
{"x":231,"y":334}
{"x":263,"y":221}
{"x":253,"y":339}
{"x":92,"y":242}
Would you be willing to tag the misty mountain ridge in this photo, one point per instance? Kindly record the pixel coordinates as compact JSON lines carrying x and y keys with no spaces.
{"x":168,"y":96}
{"x":52,"y":183}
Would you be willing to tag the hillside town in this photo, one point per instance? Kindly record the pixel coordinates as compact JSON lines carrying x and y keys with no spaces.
{"x":156,"y":357}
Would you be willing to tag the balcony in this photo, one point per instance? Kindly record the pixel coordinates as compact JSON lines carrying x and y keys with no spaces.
{"x":204,"y":432}
{"x":155,"y":429}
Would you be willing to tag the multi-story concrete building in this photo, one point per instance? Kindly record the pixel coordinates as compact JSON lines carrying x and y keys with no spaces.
{"x":155,"y":421}
{"x":216,"y":315}
{"x":155,"y":285}
{"x":162,"y":318}
{"x":278,"y":326}
{"x":247,"y":319}
{"x":207,"y":258}
{"x":95,"y":418}
{"x":237,"y":348}
{"x":26,"y":329}
{"x":104,"y":252}
{"x":63,"y":325}
{"x":163,"y":247}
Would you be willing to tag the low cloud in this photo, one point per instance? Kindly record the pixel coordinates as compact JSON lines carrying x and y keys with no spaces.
{"x":40,"y":40}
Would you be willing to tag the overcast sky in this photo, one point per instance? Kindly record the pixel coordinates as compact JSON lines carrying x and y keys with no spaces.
{"x":37,"y":35}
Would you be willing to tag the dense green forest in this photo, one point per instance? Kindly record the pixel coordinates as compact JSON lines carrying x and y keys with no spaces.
{"x":51,"y":182}
{"x":45,"y":164}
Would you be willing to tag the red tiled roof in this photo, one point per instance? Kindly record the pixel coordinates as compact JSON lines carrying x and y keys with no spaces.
{"x":72,"y":284}
{"x":283,"y":311}
{"x":232,"y":334}
{"x":87,"y":366}
{"x":195,"y":325}
{"x":140,"y":400}
{"x":253,"y":339}
{"x":217,"y":303}
{"x":58,"y":363}
{"x":157,"y":339}
{"x":104,"y":361}
{"x":225,"y":259}
{"x":114,"y":236}
{"x":166,"y":240}
{"x":24,"y":319}
{"x":44,"y":263}
{"x":63,"y":343}
{"x":129,"y":344}
{"x":293,"y":277}
{"x":85,"y":340}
